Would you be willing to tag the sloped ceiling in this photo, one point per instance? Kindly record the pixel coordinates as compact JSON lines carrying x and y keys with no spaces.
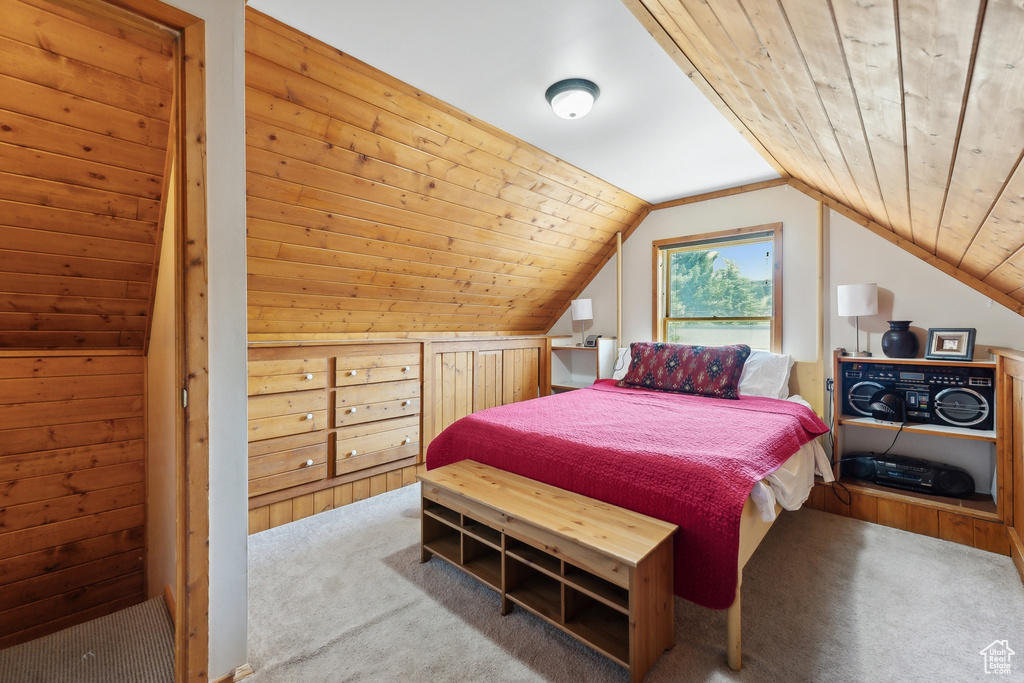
{"x":84,"y":111}
{"x":375,"y":209}
{"x":650,"y":133}
{"x":909,"y":112}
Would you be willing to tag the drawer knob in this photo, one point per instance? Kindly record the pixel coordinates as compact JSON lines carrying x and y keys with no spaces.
{"x":351,"y":410}
{"x":352,"y":373}
{"x":309,"y":375}
{"x":407,"y":439}
{"x":351,"y":453}
{"x":309,"y":416}
{"x":405,"y":403}
{"x":309,"y":463}
{"x":405,"y":369}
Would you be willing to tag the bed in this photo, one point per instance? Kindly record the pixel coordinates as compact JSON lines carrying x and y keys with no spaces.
{"x":672,"y":443}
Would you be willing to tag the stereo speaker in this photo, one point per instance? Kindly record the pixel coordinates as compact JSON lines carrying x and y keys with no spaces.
{"x":955,"y":484}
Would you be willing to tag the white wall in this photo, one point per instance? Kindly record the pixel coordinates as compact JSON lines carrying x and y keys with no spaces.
{"x":162,"y":437}
{"x":798,"y":215}
{"x":226,"y":292}
{"x":909,"y":288}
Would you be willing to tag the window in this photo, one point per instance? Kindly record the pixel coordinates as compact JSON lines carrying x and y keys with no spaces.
{"x":721,"y":288}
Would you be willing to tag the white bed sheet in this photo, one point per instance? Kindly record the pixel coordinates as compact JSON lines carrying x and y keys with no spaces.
{"x":791,"y":484}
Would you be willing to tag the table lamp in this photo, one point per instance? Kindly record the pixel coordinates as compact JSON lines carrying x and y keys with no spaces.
{"x":857,"y":300}
{"x":582,"y":310}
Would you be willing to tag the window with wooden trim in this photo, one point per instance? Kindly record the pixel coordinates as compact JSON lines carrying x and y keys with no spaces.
{"x":720,"y":288}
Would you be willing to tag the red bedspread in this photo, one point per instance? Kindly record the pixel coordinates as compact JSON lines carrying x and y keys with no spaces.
{"x":685,"y":459}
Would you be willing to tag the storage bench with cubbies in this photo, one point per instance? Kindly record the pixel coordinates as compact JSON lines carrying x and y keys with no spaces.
{"x":598,"y":572}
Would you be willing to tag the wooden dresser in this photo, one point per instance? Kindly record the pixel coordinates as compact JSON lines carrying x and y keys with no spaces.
{"x":326,"y":417}
{"x":332,"y":423}
{"x":377,"y":406}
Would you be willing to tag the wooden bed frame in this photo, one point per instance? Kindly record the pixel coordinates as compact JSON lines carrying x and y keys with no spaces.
{"x":806,"y":379}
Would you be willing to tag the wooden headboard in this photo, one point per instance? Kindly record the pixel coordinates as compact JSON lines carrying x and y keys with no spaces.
{"x":808,"y":379}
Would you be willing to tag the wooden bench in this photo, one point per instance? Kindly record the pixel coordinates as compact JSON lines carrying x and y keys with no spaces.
{"x":600,"y":573}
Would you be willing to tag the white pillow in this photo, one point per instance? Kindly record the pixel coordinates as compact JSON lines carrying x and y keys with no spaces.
{"x":622,"y":363}
{"x":766,"y":374}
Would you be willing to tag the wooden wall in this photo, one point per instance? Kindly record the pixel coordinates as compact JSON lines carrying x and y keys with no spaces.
{"x":84,"y":111}
{"x":889,"y":510}
{"x":473,"y":375}
{"x":905,"y":113}
{"x":72,"y":448}
{"x":375,"y":209}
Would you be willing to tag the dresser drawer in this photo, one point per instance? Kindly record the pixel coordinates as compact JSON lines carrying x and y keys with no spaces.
{"x":284,"y":414}
{"x":374,"y":368}
{"x":374,"y":443}
{"x":286,"y":404}
{"x":364,"y":394}
{"x":278,"y":376}
{"x":282,"y":463}
{"x":350,"y":414}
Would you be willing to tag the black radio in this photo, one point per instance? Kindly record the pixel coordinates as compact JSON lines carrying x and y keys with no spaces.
{"x":913,"y":474}
{"x":950,"y":395}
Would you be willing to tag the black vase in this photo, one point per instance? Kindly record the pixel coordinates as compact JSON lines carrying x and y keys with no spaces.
{"x":899,"y":341}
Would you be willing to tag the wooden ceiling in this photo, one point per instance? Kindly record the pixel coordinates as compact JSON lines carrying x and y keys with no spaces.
{"x":377,"y":210}
{"x":84,"y":112}
{"x":909,"y":112}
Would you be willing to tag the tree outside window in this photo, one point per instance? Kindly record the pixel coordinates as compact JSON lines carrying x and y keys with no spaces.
{"x":722,"y":288}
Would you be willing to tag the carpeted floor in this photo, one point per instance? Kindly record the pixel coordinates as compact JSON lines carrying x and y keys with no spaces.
{"x":342,"y":596}
{"x":133,"y":645}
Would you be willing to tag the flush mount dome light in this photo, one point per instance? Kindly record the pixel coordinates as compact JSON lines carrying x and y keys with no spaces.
{"x":573,"y":97}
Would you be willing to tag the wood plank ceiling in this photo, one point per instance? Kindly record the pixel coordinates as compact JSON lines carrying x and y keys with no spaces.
{"x":377,"y":210}
{"x":909,"y":112}
{"x":84,"y":112}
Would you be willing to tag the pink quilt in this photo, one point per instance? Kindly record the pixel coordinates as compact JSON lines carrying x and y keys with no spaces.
{"x":686,"y":459}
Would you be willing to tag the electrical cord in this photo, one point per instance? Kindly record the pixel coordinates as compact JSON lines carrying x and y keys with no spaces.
{"x":830,"y":387}
{"x":898,"y":432}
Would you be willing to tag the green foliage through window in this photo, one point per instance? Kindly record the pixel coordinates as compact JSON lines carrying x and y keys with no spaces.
{"x":720,"y":291}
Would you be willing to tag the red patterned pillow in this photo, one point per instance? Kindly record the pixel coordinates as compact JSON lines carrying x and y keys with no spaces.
{"x":704,"y":370}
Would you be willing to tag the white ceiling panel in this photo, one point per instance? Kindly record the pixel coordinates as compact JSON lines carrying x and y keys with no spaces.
{"x":651,"y":132}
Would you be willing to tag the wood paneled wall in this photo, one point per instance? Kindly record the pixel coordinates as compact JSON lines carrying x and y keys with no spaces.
{"x":375,"y":209}
{"x":918,"y":519}
{"x":473,"y":375}
{"x":72,"y":488}
{"x":303,"y":505}
{"x":84,"y":111}
{"x":1010,"y":371}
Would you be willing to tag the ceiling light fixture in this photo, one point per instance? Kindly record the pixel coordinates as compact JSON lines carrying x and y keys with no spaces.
{"x":573,"y":97}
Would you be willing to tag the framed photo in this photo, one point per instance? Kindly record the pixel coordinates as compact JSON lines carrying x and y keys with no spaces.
{"x":950,"y":344}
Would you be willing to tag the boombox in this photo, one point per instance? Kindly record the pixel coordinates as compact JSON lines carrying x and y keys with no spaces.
{"x":913,"y":474}
{"x":954,"y":396}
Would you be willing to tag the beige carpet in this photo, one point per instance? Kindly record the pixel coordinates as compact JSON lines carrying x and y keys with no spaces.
{"x":133,"y":645}
{"x":341,"y":596}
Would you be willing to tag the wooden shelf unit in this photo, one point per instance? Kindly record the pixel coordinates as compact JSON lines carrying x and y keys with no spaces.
{"x":911,"y":428}
{"x":576,"y":367}
{"x":977,"y":521}
{"x":597,"y":572}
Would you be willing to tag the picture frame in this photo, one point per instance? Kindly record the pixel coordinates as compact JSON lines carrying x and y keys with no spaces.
{"x":950,"y":343}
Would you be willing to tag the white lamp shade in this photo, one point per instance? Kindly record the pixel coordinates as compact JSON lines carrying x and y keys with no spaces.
{"x":857,"y":300}
{"x":582,"y":309}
